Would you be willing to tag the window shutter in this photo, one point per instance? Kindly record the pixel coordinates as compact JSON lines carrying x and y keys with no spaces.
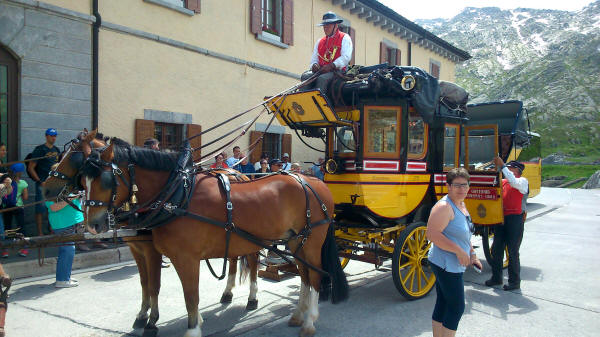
{"x":288,"y":22}
{"x":255,"y":155}
{"x":398,"y":57}
{"x":193,"y":5}
{"x":382,"y":52}
{"x":352,"y":34}
{"x":435,"y":70}
{"x":192,"y":130}
{"x":286,"y":144}
{"x":255,"y":16}
{"x":144,"y":129}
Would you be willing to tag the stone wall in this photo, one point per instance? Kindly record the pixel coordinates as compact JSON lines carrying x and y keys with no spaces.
{"x":53,"y":47}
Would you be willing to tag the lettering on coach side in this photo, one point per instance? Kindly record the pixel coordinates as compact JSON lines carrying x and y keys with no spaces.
{"x":482,"y":194}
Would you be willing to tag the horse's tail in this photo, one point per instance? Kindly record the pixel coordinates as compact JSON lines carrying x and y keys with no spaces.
{"x":336,"y":282}
{"x":244,"y":269}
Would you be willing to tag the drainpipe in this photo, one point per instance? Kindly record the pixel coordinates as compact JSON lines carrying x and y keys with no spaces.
{"x":409,"y":53}
{"x":95,"y":31}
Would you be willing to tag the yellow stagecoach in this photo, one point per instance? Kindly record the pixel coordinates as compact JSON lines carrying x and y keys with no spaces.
{"x":390,"y":136}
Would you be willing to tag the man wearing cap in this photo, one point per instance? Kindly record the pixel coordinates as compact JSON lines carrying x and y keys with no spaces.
{"x":332,"y":52}
{"x":514,"y":187}
{"x":286,"y":165}
{"x":38,"y":171}
{"x":275,"y":165}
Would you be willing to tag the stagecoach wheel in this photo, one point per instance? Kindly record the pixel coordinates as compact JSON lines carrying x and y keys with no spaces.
{"x":487,"y":238}
{"x":411,"y":271}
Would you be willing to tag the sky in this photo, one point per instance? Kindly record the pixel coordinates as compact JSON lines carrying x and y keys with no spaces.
{"x":430,"y":9}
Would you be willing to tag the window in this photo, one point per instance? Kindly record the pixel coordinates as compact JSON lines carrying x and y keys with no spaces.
{"x":450,"y":146}
{"x":274,"y":144}
{"x":417,"y":135}
{"x":272,"y":21}
{"x":434,"y":68}
{"x":382,"y":133}
{"x":389,"y":52}
{"x":271,"y":17}
{"x":169,"y":135}
{"x":481,"y":146}
{"x":344,"y":140}
{"x":9,"y":115}
{"x":192,"y":6}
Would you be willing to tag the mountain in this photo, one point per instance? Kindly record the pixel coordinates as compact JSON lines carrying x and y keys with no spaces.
{"x":549,"y":59}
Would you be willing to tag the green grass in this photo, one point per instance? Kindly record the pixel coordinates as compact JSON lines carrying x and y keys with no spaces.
{"x":570,"y":171}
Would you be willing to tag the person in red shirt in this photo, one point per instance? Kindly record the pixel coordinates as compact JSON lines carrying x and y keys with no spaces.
{"x":219,"y":162}
{"x":514,"y":188}
{"x":332,"y":53}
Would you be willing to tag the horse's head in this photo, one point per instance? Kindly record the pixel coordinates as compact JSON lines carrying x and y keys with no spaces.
{"x":100,"y":179}
{"x":64,"y":178}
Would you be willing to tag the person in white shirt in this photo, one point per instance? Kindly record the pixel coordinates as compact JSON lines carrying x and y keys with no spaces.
{"x":286,"y":165}
{"x":509,"y":234}
{"x":332,"y":53}
{"x":231,"y":161}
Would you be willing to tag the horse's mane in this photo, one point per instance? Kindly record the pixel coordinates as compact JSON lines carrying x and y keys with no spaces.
{"x":146,"y":158}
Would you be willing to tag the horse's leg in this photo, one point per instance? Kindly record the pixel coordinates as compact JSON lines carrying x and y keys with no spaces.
{"x":253,"y":265}
{"x":312,"y":253}
{"x":153,"y":265}
{"x":227,"y":296}
{"x":136,"y":251}
{"x":297,"y":318}
{"x":188,"y":270}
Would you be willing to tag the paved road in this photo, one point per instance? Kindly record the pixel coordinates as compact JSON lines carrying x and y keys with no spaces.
{"x":560,"y":293}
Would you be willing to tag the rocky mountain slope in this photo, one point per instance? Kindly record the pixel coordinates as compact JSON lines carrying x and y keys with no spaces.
{"x":549,"y":59}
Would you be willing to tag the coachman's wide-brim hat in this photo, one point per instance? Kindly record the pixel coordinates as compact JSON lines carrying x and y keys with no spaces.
{"x":516,"y":164}
{"x":329,"y":18}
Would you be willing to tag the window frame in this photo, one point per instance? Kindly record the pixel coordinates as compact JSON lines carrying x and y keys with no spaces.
{"x":466,"y":139}
{"x":386,"y":49}
{"x":368,"y":109}
{"x":437,"y":64}
{"x":12,"y":103}
{"x":456,"y":126}
{"x":178,"y":135}
{"x":421,"y":155}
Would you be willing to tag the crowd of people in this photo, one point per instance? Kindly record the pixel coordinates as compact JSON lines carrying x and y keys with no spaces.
{"x":239,"y":161}
{"x":51,"y":216}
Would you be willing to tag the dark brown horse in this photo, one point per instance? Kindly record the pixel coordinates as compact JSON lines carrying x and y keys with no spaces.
{"x":270,"y":208}
{"x":147,"y":258}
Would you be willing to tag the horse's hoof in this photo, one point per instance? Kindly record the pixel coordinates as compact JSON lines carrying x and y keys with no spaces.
{"x":226,"y":298}
{"x":295,"y":321}
{"x":140,"y":323}
{"x":252,"y":305}
{"x":150,"y":331}
{"x":307,"y":332}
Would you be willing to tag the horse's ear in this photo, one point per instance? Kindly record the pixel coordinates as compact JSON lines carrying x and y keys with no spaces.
{"x":108,"y":154}
{"x":90,"y":136}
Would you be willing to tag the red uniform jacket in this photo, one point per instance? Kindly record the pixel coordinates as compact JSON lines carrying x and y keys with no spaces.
{"x":511,"y":199}
{"x":330,"y":48}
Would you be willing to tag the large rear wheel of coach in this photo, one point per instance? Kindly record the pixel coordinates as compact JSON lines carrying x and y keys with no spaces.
{"x":412,"y":274}
{"x":487,"y":239}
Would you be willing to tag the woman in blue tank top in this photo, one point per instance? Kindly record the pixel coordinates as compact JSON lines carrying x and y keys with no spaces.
{"x":449,"y":229}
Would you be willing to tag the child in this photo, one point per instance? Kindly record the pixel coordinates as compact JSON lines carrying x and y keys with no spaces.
{"x":63,"y":220}
{"x":15,"y":199}
{"x":5,"y":189}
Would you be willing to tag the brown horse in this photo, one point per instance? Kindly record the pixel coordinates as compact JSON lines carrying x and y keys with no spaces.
{"x":147,"y":258}
{"x":270,"y":208}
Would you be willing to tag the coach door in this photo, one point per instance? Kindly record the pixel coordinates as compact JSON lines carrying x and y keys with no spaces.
{"x":484,"y":200}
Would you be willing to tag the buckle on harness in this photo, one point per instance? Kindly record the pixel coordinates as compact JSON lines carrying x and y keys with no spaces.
{"x":324,"y":208}
{"x":308,"y":213}
{"x":229,"y":206}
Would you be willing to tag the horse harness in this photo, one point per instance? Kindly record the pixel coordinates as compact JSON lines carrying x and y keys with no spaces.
{"x":174,"y":201}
